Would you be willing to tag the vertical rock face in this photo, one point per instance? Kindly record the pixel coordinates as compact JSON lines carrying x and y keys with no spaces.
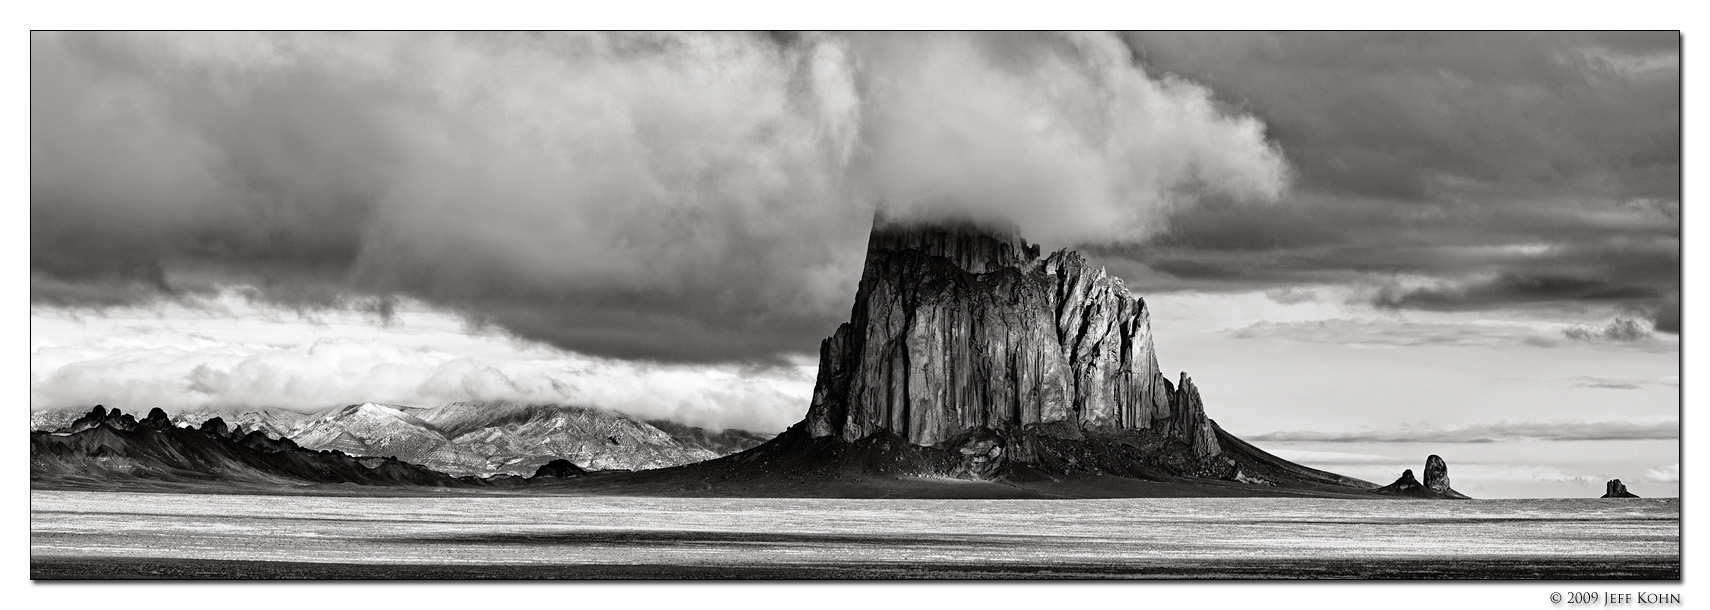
{"x":959,"y":327}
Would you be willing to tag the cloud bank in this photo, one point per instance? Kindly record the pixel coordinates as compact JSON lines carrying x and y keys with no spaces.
{"x":675,"y":197}
{"x":1493,"y":432}
{"x":250,"y":357}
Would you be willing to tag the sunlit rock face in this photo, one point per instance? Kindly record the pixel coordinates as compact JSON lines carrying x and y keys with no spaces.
{"x":960,"y":326}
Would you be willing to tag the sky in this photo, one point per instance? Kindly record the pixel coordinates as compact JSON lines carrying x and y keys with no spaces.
{"x":1365,"y":248}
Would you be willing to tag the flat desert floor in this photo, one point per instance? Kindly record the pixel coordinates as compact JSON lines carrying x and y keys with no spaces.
{"x":102,"y":535}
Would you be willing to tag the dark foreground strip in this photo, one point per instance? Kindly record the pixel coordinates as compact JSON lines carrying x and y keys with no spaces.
{"x":1449,"y":568}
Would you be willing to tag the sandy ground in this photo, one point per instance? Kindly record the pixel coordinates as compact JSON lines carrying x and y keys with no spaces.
{"x":1385,"y":569}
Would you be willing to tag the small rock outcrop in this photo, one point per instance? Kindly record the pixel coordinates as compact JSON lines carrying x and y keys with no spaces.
{"x":1436,"y":485}
{"x":558,"y":469}
{"x":1614,"y":489}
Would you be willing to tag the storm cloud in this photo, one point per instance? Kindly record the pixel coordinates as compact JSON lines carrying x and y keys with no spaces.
{"x":677,"y":197}
{"x":1446,"y":171}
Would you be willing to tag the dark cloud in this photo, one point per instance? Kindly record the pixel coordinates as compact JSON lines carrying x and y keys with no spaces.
{"x":1665,"y":315}
{"x":1507,"y":169}
{"x":1394,"y":333}
{"x":690,"y":197}
{"x":1508,"y":289}
{"x":1494,"y":432}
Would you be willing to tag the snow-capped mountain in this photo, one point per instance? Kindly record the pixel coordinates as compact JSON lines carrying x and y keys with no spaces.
{"x":371,"y":429}
{"x":277,"y":423}
{"x":519,"y":438}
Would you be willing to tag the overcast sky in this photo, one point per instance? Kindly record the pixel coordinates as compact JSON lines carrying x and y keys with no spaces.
{"x":1364,"y":248}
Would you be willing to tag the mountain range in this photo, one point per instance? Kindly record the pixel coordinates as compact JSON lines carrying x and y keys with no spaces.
{"x":472,"y":439}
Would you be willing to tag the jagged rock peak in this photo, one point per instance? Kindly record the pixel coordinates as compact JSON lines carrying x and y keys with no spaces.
{"x":1614,"y":489}
{"x":215,"y":425}
{"x":157,"y":418}
{"x":99,"y":416}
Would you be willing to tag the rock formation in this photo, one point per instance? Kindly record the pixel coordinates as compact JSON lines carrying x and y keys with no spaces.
{"x":99,"y":416}
{"x":959,"y":327}
{"x":215,"y":426}
{"x":1436,"y":485}
{"x":1436,"y":474}
{"x":1614,"y":489}
{"x":1403,"y":485}
{"x":965,"y":339}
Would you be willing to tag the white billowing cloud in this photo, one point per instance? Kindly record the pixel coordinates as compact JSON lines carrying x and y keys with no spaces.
{"x":1063,"y":134}
{"x":670,"y":196}
{"x":192,"y":358}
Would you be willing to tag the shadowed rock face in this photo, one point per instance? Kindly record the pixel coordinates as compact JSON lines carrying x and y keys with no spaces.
{"x":961,"y":327}
{"x":1614,"y":489}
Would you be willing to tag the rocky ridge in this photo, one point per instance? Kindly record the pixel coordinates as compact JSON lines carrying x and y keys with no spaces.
{"x":104,"y":448}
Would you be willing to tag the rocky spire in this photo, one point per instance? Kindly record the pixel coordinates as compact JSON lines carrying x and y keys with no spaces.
{"x":961,"y":326}
{"x":1436,"y":474}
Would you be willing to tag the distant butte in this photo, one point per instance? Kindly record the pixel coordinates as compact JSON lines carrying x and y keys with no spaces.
{"x":1614,"y":489}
